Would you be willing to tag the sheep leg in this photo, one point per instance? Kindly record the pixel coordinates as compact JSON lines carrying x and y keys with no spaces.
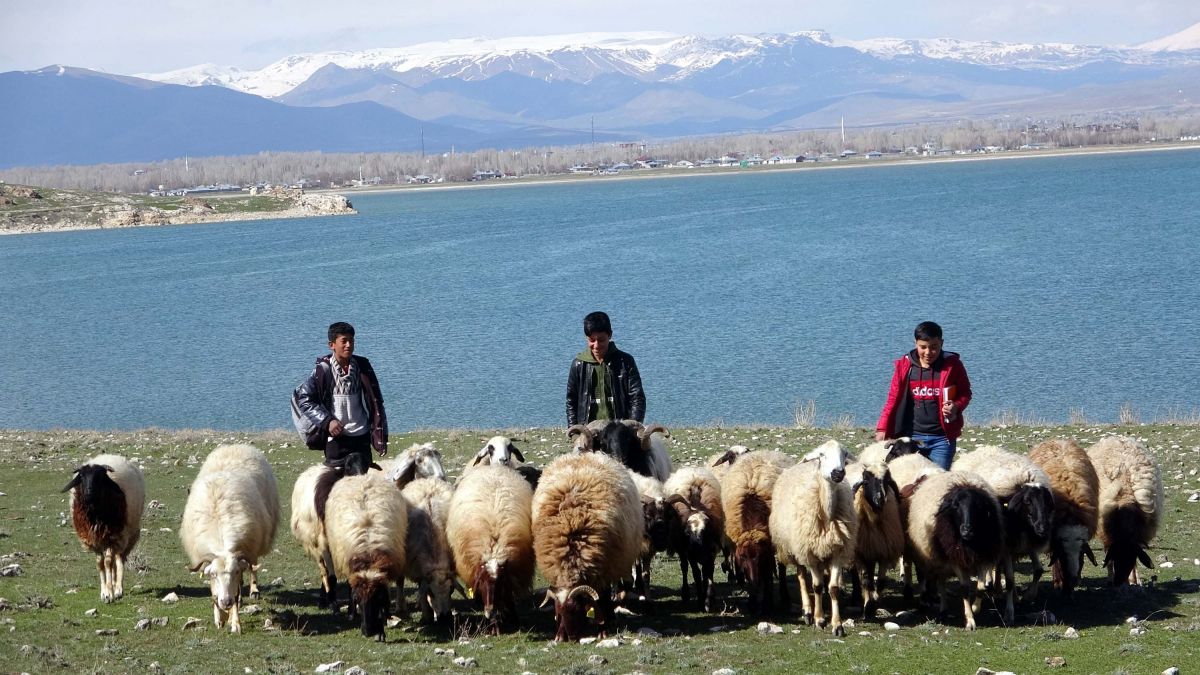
{"x":806,"y":611}
{"x":698,"y":579}
{"x":1031,"y":594}
{"x":235,"y":621}
{"x":871,"y":597}
{"x":328,"y":582}
{"x":783,"y":589}
{"x":423,"y":601}
{"x":969,"y":596}
{"x":218,"y":615}
{"x":685,"y":593}
{"x":119,"y":570}
{"x":254,"y":582}
{"x":835,"y":596}
{"x":941,"y":591}
{"x":708,"y":586}
{"x":908,"y":582}
{"x":818,"y":590}
{"x":856,"y":591}
{"x":402,"y":600}
{"x":105,"y":586}
{"x":1011,"y":590}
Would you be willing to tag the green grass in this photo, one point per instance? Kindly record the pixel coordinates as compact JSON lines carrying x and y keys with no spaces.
{"x":43,"y":626}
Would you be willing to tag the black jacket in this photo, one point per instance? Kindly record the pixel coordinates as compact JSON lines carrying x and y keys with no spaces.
{"x":628,"y":400}
{"x":314,"y":398}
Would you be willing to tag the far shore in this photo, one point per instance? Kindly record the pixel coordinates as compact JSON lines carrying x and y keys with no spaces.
{"x":674,"y":172}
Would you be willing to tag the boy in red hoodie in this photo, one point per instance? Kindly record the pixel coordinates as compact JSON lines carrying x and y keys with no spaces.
{"x":929,"y":392}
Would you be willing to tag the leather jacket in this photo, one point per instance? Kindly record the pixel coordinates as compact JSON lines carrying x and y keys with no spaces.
{"x":314,"y":397}
{"x":628,"y":399}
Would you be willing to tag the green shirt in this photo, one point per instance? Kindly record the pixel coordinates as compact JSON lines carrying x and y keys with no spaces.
{"x":603,"y":402}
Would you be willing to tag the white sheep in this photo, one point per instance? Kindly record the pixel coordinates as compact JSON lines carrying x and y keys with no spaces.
{"x":366,"y":522}
{"x":501,"y":451}
{"x":229,"y":522}
{"x":587,"y":532}
{"x":814,"y":526}
{"x":1131,"y":504}
{"x":106,"y":502}
{"x":489,"y":531}
{"x":909,"y":471}
{"x":420,"y":460}
{"x":430,"y":563}
{"x":1024,"y":493}
{"x":882,"y":452}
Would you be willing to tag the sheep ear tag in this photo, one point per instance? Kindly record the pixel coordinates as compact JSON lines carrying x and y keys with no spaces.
{"x":470,"y":593}
{"x":591,"y":613}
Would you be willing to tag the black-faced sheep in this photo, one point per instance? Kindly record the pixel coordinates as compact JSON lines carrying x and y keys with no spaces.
{"x":746,"y":495}
{"x":1076,"y":501}
{"x":488,"y":527}
{"x":637,"y":447}
{"x":229,"y":522}
{"x":814,"y":526}
{"x":106,"y":501}
{"x":366,"y":522}
{"x":882,"y":452}
{"x":309,"y":496}
{"x":1024,"y":493}
{"x":1131,"y":504}
{"x":429,"y":560}
{"x":587,"y":525}
{"x":697,"y":532}
{"x":955,"y":528}
{"x":880,"y":541}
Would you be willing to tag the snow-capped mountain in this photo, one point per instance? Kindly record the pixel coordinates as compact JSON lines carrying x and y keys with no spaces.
{"x":1186,"y":39}
{"x":657,"y":57}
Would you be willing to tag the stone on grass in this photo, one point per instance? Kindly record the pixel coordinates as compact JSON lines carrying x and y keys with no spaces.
{"x":596,"y":660}
{"x":466,"y":662}
{"x":192,"y":622}
{"x":1056,"y":661}
{"x":768,"y":628}
{"x":329,"y":667}
{"x":142,"y":624}
{"x":90,"y":612}
{"x":648,"y":632}
{"x":1137,"y":630}
{"x":609,"y":643}
{"x":13,"y":570}
{"x":250,"y":610}
{"x":1070,"y":633}
{"x":891,"y":626}
{"x":724,"y":671}
{"x":1173,"y":670}
{"x":105,"y":632}
{"x":160,"y":621}
{"x":355,"y":670}
{"x":587,"y":640}
{"x":171,"y":598}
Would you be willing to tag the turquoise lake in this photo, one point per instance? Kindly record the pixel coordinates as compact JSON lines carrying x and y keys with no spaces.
{"x":1067,"y":284}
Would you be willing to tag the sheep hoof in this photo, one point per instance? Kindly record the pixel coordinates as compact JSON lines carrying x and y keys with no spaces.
{"x":838,"y":631}
{"x":254,"y":594}
{"x":379,"y":637}
{"x":970,"y":625}
{"x":806,"y":619}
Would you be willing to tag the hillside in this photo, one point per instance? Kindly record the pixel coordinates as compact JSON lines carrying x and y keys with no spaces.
{"x":25,"y":209}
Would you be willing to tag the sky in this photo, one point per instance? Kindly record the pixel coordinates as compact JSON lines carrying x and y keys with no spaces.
{"x":151,"y":36}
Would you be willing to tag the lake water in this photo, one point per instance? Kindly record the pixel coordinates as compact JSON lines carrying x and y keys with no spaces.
{"x":1067,"y":284}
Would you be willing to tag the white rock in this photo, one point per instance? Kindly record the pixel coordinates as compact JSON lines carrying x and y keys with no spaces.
{"x":171,"y":598}
{"x":192,"y":622}
{"x":250,"y":610}
{"x":167,"y":530}
{"x":635,"y":642}
{"x":90,"y":612}
{"x":609,"y":643}
{"x":724,"y":671}
{"x":891,"y":626}
{"x":13,"y":570}
{"x":1173,"y":670}
{"x":466,"y":662}
{"x":587,"y":640}
{"x":848,"y":623}
{"x":142,"y":624}
{"x":1131,"y":620}
{"x":352,"y":670}
{"x":865,"y":633}
{"x":106,"y":632}
{"x":596,"y":660}
{"x":767,"y":628}
{"x":649,"y":632}
{"x":1166,"y":565}
{"x":329,"y":667}
{"x":1195,"y":497}
{"x":160,"y":621}
{"x":1137,"y":630}
{"x":1071,"y":633}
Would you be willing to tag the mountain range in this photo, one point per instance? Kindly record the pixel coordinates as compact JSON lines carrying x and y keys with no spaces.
{"x":568,"y":89}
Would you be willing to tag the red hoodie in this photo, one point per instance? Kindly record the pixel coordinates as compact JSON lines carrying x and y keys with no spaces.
{"x":953,"y":374}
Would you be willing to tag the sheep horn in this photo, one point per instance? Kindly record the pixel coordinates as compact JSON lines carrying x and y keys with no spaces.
{"x":726,"y":458}
{"x":547,"y":600}
{"x":199,"y":565}
{"x":651,"y":430}
{"x":1087,"y":550}
{"x":375,"y":466}
{"x":677,"y":499}
{"x":588,"y":590}
{"x":75,"y":481}
{"x":588,"y":438}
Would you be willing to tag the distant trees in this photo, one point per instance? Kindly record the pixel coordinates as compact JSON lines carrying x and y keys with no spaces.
{"x":339,"y":169}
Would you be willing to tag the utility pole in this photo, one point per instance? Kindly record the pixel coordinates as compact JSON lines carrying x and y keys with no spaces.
{"x":593,"y":118}
{"x":422,"y":141}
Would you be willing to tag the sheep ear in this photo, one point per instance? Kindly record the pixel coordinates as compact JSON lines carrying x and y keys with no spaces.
{"x":375,"y":466}
{"x":75,"y":481}
{"x":1087,"y":550}
{"x":1145,"y":558}
{"x":726,"y":458}
{"x":198,"y":566}
{"x":516,"y":451}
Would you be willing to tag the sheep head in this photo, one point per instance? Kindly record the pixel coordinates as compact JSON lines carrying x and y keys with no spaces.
{"x":1067,"y":549}
{"x":831,"y":458}
{"x":1033,"y":505}
{"x":898,"y":447}
{"x":500,"y":450}
{"x":693,"y":521}
{"x":654,"y":515}
{"x":358,"y":464}
{"x":645,"y":434}
{"x":754,"y":555}
{"x":873,"y":489}
{"x":224,"y":573}
{"x":570,"y":609}
{"x":1123,"y":527}
{"x":369,"y":582}
{"x":586,"y":438}
{"x":440,"y":587}
{"x":731,"y":455}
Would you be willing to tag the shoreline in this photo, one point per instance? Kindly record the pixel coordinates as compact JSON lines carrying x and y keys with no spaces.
{"x":698,"y":172}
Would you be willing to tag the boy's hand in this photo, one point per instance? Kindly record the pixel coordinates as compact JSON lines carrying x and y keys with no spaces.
{"x":335,"y":428}
{"x":880,"y":436}
{"x":949,"y":410}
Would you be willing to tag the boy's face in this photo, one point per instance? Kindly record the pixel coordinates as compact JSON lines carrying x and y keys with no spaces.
{"x":928,"y":351}
{"x":342,"y":347}
{"x":598,"y":344}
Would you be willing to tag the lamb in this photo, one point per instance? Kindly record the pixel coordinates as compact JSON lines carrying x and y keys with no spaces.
{"x":1076,"y":491}
{"x":500,"y":450}
{"x":1131,"y":504}
{"x":882,"y":452}
{"x":366,"y":522}
{"x":420,"y":460}
{"x":880,"y":541}
{"x":430,"y":562}
{"x":955,"y":527}
{"x":814,"y":526}
{"x":106,"y":502}
{"x":655,"y":530}
{"x":587,"y":522}
{"x":1024,"y":493}
{"x":746,"y":498}
{"x":489,"y":531}
{"x":309,"y":496}
{"x":719,"y":464}
{"x":697,"y":532}
{"x":229,"y":522}
{"x":631,"y":443}
{"x":908,"y":472}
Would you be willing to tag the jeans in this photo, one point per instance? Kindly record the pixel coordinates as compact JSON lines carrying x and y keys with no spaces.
{"x":939,"y":449}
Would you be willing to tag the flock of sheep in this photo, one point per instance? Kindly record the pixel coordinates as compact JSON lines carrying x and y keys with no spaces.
{"x":592,"y":520}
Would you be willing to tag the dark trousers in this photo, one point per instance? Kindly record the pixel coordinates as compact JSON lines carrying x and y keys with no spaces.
{"x":340,"y":447}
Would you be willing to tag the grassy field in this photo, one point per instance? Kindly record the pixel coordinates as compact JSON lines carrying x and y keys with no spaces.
{"x":45,"y":625}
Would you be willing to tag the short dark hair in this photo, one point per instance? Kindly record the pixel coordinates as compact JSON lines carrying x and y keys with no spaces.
{"x":340,"y":328}
{"x":596,"y":322}
{"x":927,"y":330}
